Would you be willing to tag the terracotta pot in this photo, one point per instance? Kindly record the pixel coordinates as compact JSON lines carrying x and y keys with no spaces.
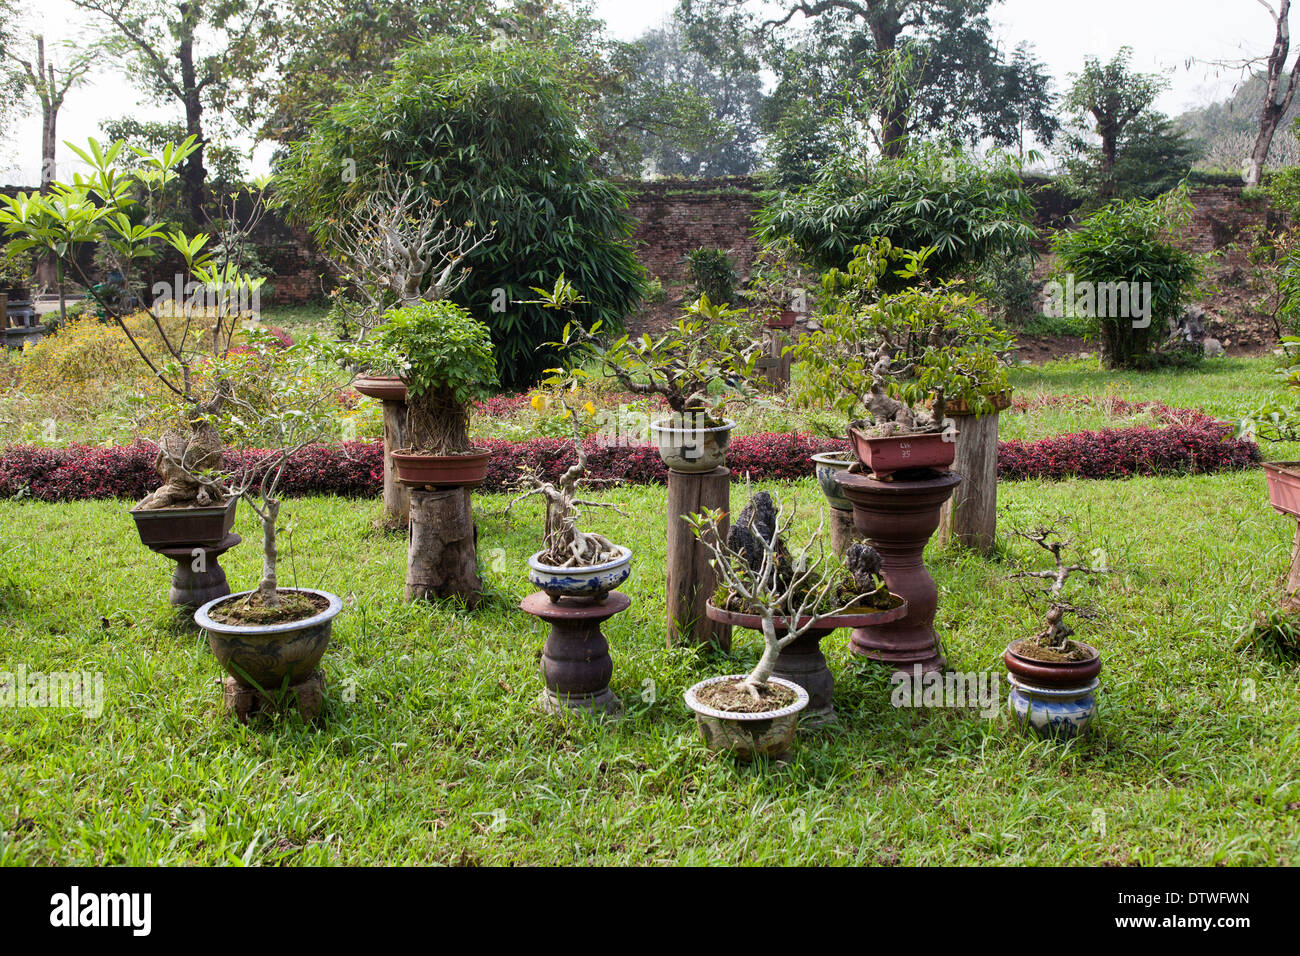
{"x":691,"y":449}
{"x":1054,"y":699}
{"x":1284,"y":486}
{"x":784,"y":320}
{"x":265,"y":655}
{"x":592,"y":583}
{"x":747,"y":735}
{"x":386,"y":388}
{"x":441,"y":471}
{"x":828,"y":464}
{"x":191,"y":527}
{"x":884,"y":456}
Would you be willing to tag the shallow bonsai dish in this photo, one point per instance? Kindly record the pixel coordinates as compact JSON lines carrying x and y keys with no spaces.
{"x":888,"y":454}
{"x":269,"y":653}
{"x":747,"y":734}
{"x":1053,"y":674}
{"x":386,"y":388}
{"x":441,"y":471}
{"x":834,"y":622}
{"x":692,"y":450}
{"x":181,"y":526}
{"x":592,"y":583}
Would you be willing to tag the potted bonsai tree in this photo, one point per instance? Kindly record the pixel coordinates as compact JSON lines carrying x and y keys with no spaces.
{"x":697,"y":366}
{"x":1053,"y":676}
{"x":895,"y":364}
{"x":790,"y":596}
{"x":116,"y":207}
{"x":270,"y":639}
{"x":775,"y":290}
{"x":573,"y":563}
{"x":444,"y":357}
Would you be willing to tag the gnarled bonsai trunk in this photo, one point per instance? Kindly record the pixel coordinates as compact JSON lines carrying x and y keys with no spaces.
{"x":266,"y":588}
{"x":437,"y":424}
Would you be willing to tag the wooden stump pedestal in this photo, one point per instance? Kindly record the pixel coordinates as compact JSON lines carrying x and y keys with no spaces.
{"x":243,"y":703}
{"x":970,"y":516}
{"x":691,"y":581}
{"x":442,"y":557}
{"x":397,"y":497}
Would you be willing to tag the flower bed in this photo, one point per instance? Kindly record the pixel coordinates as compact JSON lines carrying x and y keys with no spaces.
{"x":1193,"y":443}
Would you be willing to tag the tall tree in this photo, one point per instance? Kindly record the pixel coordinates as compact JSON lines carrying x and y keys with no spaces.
{"x":896,"y":67}
{"x":1277,"y":99}
{"x":200,"y":56}
{"x":1108,"y":98}
{"x":49,"y":84}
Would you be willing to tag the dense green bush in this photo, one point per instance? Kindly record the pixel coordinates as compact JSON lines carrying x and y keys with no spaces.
{"x":968,"y":212}
{"x":1127,"y":242}
{"x":713,"y":274}
{"x":491,"y":134}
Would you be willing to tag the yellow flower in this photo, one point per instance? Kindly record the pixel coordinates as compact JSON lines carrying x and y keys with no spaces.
{"x":538,"y":402}
{"x":589,"y":408}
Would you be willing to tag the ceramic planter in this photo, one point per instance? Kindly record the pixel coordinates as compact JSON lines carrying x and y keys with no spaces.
{"x":827,"y":465}
{"x":1054,"y":699}
{"x":184,"y":526}
{"x":266,"y":655}
{"x":782,"y":320}
{"x":690,"y":449}
{"x":386,"y":388}
{"x":591,"y":584}
{"x":747,"y":735}
{"x":1284,"y":486}
{"x":441,"y":471}
{"x":884,"y":456}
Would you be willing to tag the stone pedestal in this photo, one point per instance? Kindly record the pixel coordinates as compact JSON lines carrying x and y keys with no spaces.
{"x":307,"y":697}
{"x":898,"y":517}
{"x":576,"y":665}
{"x":199,"y":577}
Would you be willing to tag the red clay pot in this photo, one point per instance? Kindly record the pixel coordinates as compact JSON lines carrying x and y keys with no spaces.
{"x":441,"y":471}
{"x":1284,"y":486}
{"x":884,"y":456}
{"x":386,"y":388}
{"x":1053,"y":673}
{"x":784,"y":320}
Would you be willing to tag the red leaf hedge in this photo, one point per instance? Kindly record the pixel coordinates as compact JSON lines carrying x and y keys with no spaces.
{"x":1194,"y":443}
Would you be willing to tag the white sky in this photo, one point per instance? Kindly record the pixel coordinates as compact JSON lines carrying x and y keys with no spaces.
{"x":1164,"y":34}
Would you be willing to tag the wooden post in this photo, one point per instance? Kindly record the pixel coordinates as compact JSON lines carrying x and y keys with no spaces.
{"x":776,"y":366}
{"x":442,"y":560}
{"x":843,"y":531}
{"x":970,"y":517}
{"x":691,"y":581}
{"x":4,"y":311}
{"x":397,"y":497}
{"x":1293,"y":577}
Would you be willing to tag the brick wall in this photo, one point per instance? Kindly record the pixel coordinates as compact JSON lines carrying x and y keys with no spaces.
{"x":674,"y":217}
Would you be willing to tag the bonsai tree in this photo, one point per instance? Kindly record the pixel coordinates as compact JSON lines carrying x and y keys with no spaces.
{"x":445,"y":358}
{"x":396,"y":246}
{"x":1053,"y":641}
{"x":791,"y":593}
{"x":711,"y":349}
{"x":115,"y":207}
{"x":567,"y":546}
{"x":283,"y":398}
{"x":890,"y":355}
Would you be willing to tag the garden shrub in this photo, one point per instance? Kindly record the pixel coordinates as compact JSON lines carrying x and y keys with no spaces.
{"x":1129,"y":242}
{"x":490,"y":134}
{"x":713,"y":274}
{"x":968,"y":211}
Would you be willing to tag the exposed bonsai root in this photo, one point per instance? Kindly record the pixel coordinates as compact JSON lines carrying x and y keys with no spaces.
{"x":182,"y":455}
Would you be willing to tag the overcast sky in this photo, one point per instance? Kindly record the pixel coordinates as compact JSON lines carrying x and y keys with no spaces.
{"x":1165,"y":36}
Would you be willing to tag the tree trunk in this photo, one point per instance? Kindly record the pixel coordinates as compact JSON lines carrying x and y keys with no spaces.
{"x":970,"y":516}
{"x":397,"y":497}
{"x":193,"y":174}
{"x":691,"y":581}
{"x":266,"y":588}
{"x":1271,"y":111}
{"x":442,"y":559}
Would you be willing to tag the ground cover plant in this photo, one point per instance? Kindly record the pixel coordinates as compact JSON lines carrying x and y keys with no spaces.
{"x":432,"y":751}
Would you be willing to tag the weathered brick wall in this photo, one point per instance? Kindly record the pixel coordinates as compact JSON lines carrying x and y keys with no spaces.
{"x":675,"y":216}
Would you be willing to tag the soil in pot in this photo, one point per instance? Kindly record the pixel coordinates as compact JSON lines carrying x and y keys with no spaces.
{"x":1074,"y":654}
{"x":249,"y":610}
{"x":731,"y":697}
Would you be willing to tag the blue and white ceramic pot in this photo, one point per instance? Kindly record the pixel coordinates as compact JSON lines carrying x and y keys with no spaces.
{"x":829,"y":464}
{"x":592,"y":583}
{"x":1053,"y":698}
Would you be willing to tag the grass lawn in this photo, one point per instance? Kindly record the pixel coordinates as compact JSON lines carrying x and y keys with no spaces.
{"x":433,"y":750}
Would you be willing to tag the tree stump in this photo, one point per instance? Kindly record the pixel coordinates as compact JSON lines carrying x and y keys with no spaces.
{"x":776,"y":365}
{"x":397,"y":497}
{"x":843,"y":531}
{"x":691,"y":581}
{"x":970,"y":517}
{"x":442,"y":560}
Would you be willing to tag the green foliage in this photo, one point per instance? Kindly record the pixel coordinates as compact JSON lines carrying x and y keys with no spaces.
{"x":935,"y":198}
{"x":490,"y":132}
{"x":16,"y":267}
{"x":1131,"y":241}
{"x":938,"y":332}
{"x":711,"y":348}
{"x":1282,"y":187}
{"x":1152,"y":158}
{"x":439,"y":346}
{"x":713,"y":274}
